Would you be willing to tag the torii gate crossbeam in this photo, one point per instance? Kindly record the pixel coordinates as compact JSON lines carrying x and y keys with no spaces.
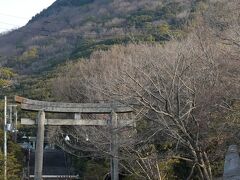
{"x":101,"y":108}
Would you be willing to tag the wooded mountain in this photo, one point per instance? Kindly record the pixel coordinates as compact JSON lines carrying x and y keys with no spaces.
{"x":71,"y":29}
{"x":186,"y":91}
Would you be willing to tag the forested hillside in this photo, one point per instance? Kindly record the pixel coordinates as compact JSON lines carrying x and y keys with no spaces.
{"x":70,"y":29}
{"x":176,"y":62}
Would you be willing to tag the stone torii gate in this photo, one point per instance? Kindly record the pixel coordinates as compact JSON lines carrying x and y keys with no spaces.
{"x":77,"y":108}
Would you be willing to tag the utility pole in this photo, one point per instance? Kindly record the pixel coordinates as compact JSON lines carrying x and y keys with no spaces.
{"x":10,"y":114}
{"x":5,"y":138}
{"x":16,"y":130}
{"x":13,"y":111}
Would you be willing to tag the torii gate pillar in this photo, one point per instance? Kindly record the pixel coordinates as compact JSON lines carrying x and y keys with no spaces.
{"x":39,"y":147}
{"x":114,"y":146}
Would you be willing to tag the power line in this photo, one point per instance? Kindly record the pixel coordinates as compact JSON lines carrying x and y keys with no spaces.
{"x":1,"y":22}
{"x":18,"y":17}
{"x":4,"y":28}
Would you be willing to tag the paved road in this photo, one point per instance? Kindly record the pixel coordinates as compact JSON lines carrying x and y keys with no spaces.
{"x":54,"y":163}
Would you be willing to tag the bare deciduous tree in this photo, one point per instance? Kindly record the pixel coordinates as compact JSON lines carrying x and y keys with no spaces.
{"x":175,"y":87}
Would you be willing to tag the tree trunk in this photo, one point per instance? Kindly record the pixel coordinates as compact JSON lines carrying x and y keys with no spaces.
{"x":203,"y":165}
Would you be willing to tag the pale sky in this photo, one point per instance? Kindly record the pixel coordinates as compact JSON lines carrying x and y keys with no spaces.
{"x":16,"y":13}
